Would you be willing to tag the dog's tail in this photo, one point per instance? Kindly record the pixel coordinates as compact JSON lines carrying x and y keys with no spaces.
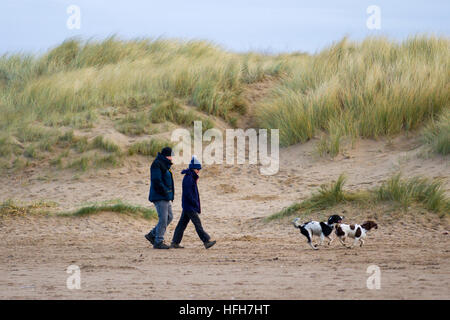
{"x":296,"y":223}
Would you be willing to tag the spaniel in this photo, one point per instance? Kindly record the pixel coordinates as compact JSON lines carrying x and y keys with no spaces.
{"x":315,"y":228}
{"x":354,"y":231}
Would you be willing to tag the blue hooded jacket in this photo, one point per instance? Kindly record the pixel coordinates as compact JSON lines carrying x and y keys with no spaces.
{"x":190,"y":199}
{"x":161,"y":180}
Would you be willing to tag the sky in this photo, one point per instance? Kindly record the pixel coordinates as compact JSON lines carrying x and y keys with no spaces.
{"x":34,"y":26}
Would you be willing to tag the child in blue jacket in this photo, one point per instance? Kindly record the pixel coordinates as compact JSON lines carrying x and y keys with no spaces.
{"x":190,"y":201}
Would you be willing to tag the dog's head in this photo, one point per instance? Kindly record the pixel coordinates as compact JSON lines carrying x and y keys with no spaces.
{"x":369,"y":225}
{"x":335,"y":219}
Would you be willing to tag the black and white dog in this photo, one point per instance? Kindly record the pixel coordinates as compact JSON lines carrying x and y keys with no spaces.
{"x":321,"y":229}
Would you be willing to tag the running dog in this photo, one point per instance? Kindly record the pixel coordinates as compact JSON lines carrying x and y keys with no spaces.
{"x":315,"y":228}
{"x":354,"y":231}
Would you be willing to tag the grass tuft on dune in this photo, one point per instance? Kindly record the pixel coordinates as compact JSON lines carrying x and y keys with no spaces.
{"x":14,"y":208}
{"x":436,"y":134}
{"x":114,"y":206}
{"x":401,"y":191}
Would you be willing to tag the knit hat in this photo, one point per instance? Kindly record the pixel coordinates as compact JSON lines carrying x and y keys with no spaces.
{"x":195,"y":164}
{"x":167,"y":151}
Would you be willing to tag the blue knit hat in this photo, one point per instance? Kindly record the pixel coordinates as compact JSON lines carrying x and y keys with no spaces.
{"x":195,"y":164}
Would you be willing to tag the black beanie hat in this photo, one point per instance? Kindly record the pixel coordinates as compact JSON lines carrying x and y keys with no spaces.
{"x":167,"y":151}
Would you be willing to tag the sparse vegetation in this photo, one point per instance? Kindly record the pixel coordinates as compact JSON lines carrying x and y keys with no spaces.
{"x":95,"y":160}
{"x":136,"y":124}
{"x":403,"y":191}
{"x":7,"y":146}
{"x":108,"y":161}
{"x":113,"y":206}
{"x":326,"y":197}
{"x":148,"y":147}
{"x":13,"y":208}
{"x":19,"y":163}
{"x":67,"y":137}
{"x":31,"y":152}
{"x":416,"y":189}
{"x":80,"y":164}
{"x":80,"y":144}
{"x":437,"y":134}
{"x":106,"y":145}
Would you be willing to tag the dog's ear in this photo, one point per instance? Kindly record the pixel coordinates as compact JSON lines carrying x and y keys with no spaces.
{"x":334,"y":219}
{"x":369,"y":225}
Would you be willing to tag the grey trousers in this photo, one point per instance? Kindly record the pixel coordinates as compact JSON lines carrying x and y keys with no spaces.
{"x":165,"y":216}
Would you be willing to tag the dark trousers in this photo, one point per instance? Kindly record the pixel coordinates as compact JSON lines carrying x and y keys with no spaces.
{"x":182,"y":224}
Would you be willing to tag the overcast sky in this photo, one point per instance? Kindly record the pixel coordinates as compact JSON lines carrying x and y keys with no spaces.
{"x":239,"y":25}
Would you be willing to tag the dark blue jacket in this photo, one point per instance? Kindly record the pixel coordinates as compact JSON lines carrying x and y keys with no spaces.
{"x":190,"y":200}
{"x":161,"y":180}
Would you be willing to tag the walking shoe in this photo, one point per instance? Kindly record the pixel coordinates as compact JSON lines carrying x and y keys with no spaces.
{"x":161,"y":245}
{"x":209,"y":244}
{"x":150,"y":238}
{"x":176,"y":246}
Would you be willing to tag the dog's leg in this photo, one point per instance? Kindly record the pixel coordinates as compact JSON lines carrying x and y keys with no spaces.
{"x":311,"y":242}
{"x":354,"y":243}
{"x":322,"y":237}
{"x":308,"y":236}
{"x":362,"y":242}
{"x":342,"y":240}
{"x":331,"y":240}
{"x":312,"y":246}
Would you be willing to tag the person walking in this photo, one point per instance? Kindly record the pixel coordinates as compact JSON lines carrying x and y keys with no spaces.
{"x":162,"y":192}
{"x":190,"y":201}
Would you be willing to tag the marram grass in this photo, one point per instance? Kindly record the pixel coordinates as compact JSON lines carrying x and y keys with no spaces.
{"x":14,"y":208}
{"x":436,"y":134}
{"x":367,"y":89}
{"x":403,"y":191}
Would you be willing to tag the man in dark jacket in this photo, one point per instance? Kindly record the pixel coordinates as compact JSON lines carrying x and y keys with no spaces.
{"x":161,"y":194}
{"x":191,"y":207}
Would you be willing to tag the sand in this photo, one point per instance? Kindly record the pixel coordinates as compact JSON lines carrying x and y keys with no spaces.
{"x":253,"y":259}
